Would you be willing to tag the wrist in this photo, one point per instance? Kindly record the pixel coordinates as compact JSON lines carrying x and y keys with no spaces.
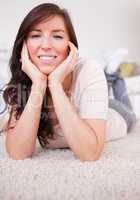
{"x":40,"y":80}
{"x":39,"y":86}
{"x":52,"y":83}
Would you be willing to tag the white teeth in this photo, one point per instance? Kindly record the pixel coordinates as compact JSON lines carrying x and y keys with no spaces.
{"x":47,"y":57}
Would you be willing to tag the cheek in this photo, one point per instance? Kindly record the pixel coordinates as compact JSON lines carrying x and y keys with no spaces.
{"x":31,"y":49}
{"x":64,"y":50}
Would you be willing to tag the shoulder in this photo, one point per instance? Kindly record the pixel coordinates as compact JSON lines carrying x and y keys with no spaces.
{"x":89,"y":79}
{"x":88,"y":69}
{"x":90,"y":94}
{"x":87,"y":62}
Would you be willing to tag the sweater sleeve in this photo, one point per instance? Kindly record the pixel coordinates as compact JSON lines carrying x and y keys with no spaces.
{"x":92,"y":92}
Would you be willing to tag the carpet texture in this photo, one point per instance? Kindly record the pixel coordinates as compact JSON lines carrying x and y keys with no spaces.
{"x":57,"y":174}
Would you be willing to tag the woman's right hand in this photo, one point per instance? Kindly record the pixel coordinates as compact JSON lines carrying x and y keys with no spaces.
{"x":36,"y":76}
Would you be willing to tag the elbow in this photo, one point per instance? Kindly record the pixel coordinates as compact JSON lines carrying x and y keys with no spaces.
{"x":16,"y":155}
{"x":87,"y":158}
{"x":92,"y":155}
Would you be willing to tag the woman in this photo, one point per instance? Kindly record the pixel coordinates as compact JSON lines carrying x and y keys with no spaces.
{"x":54,"y":95}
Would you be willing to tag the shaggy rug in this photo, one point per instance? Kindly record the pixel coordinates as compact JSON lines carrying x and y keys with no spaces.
{"x":58,"y":174}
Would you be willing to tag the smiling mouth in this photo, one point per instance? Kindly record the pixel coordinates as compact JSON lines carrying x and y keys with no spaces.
{"x":47,"y":59}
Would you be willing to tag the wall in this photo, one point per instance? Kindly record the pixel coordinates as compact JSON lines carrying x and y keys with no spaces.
{"x":99,"y":24}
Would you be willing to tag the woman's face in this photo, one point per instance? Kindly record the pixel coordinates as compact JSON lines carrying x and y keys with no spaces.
{"x":47,"y":44}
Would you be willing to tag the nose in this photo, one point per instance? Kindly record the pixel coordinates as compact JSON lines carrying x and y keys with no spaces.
{"x":46,"y":43}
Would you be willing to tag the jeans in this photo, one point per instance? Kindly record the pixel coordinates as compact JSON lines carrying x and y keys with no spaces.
{"x":121,"y":102}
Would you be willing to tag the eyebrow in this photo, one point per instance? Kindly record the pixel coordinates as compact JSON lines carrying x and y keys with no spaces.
{"x":58,"y":30}
{"x":55,"y":30}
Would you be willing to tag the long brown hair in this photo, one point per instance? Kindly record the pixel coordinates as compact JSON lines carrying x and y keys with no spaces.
{"x":19,"y":85}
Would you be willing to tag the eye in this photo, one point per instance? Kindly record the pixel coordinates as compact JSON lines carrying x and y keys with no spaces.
{"x":58,"y":36}
{"x":35,"y":36}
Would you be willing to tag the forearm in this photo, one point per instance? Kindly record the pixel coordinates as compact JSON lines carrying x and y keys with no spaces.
{"x":20,"y":142}
{"x":78,"y":134}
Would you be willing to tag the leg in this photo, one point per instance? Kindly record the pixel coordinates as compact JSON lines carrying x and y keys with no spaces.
{"x":120,"y":93}
{"x":121,"y":102}
{"x":125,"y":112}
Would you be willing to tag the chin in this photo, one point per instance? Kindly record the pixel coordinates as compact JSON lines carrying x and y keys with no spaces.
{"x":46,"y":69}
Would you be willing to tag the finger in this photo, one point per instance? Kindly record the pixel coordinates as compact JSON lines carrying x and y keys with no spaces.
{"x":26,"y":52}
{"x":71,"y":55}
{"x":73,"y":48}
{"x":75,"y":54}
{"x":25,"y":58}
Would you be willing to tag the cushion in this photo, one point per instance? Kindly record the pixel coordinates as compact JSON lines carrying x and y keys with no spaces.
{"x":127,"y":69}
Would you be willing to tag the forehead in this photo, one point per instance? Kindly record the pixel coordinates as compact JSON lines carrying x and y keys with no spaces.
{"x":53,"y":23}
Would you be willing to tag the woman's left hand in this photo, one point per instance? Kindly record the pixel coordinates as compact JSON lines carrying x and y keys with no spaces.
{"x":66,"y":67}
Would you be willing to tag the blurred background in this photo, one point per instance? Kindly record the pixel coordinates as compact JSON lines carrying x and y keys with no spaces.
{"x":99,"y":24}
{"x":108,"y":30}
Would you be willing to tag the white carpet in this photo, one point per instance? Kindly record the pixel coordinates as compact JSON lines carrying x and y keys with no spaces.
{"x":56,"y":175}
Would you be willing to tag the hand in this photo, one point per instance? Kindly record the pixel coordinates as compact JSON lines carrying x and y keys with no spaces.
{"x":66,"y":67}
{"x":30,"y":69}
